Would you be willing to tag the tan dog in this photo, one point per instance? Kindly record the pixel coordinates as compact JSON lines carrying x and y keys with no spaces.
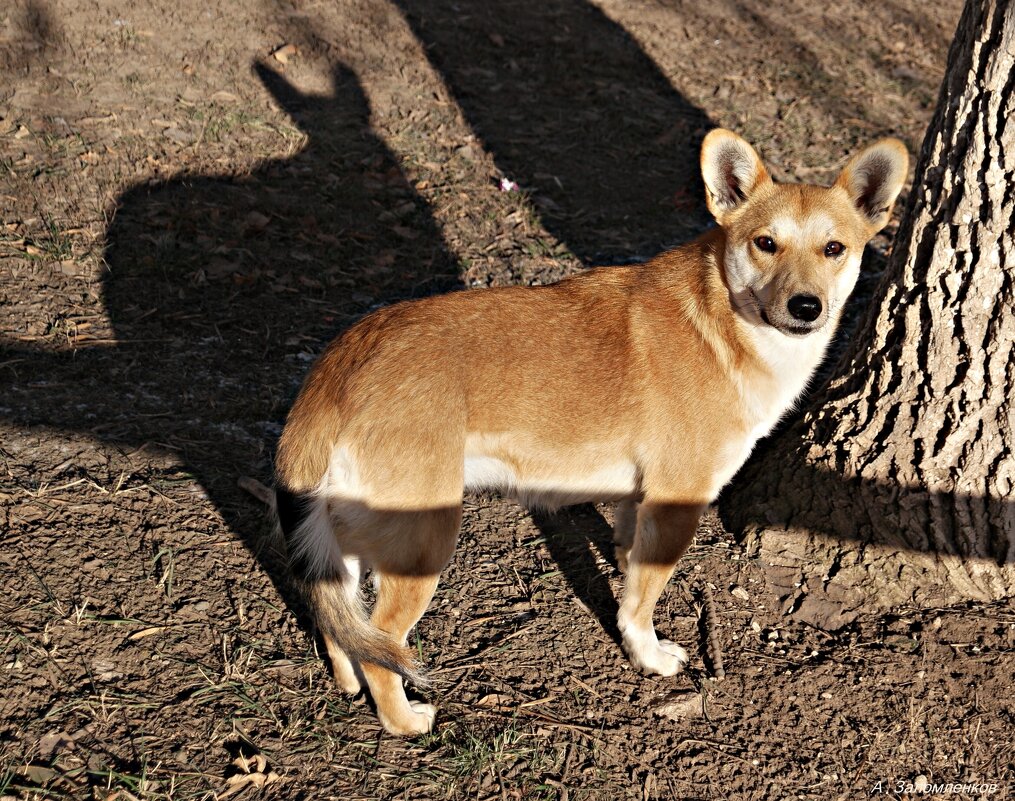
{"x":647,"y":385}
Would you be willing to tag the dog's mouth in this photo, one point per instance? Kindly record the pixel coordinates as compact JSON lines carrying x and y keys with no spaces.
{"x":790,"y":330}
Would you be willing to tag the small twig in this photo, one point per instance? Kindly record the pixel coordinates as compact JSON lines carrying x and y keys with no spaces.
{"x":257,"y":489}
{"x":709,"y":618}
{"x":719,"y":748}
{"x":562,"y":792}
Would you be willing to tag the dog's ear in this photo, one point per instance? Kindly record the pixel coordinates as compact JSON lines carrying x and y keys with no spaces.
{"x":873,"y":179}
{"x":732,"y":172}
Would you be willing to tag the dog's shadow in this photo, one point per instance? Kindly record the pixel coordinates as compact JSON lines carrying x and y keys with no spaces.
{"x":574,"y":536}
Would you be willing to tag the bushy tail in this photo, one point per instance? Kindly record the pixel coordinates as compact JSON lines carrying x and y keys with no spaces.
{"x":315,"y":562}
{"x":340,"y":615}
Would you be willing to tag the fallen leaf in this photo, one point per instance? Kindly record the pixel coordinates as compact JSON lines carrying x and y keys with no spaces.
{"x":285,"y":52}
{"x":494,"y":700}
{"x":256,"y":222}
{"x":405,"y":233}
{"x":97,"y":120}
{"x":148,"y":632}
{"x":53,"y":743}
{"x":37,"y":774}
{"x":741,"y":593}
{"x":254,"y":771}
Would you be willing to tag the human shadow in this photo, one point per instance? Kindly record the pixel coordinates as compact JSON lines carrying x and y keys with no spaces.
{"x":221,"y":290}
{"x":36,"y":36}
{"x":571,"y":108}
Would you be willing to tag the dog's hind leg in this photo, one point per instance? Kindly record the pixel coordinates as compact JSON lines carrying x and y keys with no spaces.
{"x":418,"y":546}
{"x":331,"y":581}
{"x":347,"y":673}
{"x":319,"y":566}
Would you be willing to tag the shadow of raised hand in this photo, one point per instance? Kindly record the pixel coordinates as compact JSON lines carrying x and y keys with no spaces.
{"x":219,"y":286}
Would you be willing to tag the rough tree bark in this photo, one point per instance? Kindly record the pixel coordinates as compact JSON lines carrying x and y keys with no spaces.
{"x":898,"y":484}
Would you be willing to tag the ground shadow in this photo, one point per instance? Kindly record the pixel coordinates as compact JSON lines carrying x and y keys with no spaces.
{"x":220,"y":290}
{"x":572,"y":537}
{"x":571,"y":107}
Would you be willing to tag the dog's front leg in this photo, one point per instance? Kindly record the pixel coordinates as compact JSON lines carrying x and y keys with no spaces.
{"x":664,"y":530}
{"x":625,"y":522}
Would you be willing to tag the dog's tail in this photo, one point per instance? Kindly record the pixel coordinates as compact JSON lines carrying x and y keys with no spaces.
{"x":317,"y":564}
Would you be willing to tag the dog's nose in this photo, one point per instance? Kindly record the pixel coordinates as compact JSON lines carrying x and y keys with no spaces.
{"x":806,"y":308}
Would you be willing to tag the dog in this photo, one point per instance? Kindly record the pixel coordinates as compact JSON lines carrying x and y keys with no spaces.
{"x":648,"y":385}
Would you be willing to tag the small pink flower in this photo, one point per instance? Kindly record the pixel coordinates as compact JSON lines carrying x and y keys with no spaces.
{"x":507,"y":185}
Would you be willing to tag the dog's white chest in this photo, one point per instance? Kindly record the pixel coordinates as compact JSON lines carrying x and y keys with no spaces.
{"x":790,"y":364}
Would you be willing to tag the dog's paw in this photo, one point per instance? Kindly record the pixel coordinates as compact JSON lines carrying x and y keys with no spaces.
{"x":661,"y":658}
{"x":348,"y":682}
{"x":417,"y":719}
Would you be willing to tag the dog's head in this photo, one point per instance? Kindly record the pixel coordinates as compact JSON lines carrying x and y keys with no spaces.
{"x":793,"y":251}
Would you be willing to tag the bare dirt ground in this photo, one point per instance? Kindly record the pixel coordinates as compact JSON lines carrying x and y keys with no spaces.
{"x":187,"y":219}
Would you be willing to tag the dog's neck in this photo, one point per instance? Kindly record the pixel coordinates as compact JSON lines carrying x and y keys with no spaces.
{"x":775,"y":367}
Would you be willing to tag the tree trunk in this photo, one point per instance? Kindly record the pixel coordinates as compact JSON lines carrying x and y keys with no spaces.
{"x":898,"y":484}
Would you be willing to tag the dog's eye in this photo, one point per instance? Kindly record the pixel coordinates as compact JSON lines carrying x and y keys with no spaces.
{"x":766,"y":243}
{"x":834,"y":248}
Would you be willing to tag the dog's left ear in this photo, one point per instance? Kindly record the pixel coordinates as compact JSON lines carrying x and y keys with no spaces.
{"x":732,"y":172}
{"x":873,"y":179}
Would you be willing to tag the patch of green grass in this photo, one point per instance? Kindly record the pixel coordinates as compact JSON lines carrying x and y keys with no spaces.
{"x":219,"y":123}
{"x":467,"y":759}
{"x":164,"y":568}
{"x":126,"y":38}
{"x":50,"y":243}
{"x":222,"y":124}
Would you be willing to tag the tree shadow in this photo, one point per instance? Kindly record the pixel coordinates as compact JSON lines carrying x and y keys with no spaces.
{"x":220,"y":291}
{"x":571,"y":107}
{"x":858,"y":545}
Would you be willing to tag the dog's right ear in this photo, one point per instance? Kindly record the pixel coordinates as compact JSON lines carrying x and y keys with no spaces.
{"x":732,"y":172}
